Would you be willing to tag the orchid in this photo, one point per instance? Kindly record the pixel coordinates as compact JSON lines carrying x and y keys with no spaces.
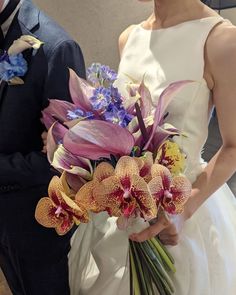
{"x":126,"y":193}
{"x":86,"y":196}
{"x":170,"y":156}
{"x":145,"y":163}
{"x":170,"y":194}
{"x":58,"y":210}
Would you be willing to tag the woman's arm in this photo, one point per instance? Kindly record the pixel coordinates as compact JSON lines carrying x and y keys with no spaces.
{"x":221,"y":62}
{"x":221,"y":58}
{"x":124,"y":38}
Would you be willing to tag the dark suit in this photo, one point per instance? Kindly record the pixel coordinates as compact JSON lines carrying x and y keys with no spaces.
{"x":33,"y":258}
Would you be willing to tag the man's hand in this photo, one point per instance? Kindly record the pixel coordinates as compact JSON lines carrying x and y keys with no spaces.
{"x":44,"y":139}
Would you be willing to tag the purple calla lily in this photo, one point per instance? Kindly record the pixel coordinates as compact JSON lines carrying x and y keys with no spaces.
{"x":98,"y":139}
{"x":163,"y":102}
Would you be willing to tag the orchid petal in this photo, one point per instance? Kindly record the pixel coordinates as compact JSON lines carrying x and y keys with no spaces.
{"x":160,"y":170}
{"x":171,"y":157}
{"x":43,"y":213}
{"x":156,"y":189}
{"x":54,"y":189}
{"x":103,"y":171}
{"x":181,"y":189}
{"x":72,"y":208}
{"x":145,"y":201}
{"x":145,"y":163}
{"x":126,"y":166}
{"x":85,"y":197}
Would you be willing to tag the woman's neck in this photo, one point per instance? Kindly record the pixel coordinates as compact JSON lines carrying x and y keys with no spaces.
{"x":171,"y":12}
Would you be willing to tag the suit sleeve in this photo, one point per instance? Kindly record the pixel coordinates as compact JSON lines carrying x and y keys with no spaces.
{"x":66,"y":55}
{"x":18,"y":171}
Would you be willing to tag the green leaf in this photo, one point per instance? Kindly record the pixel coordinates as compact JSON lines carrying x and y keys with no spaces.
{"x":163,"y":254}
{"x":154,"y":272}
{"x":160,"y":270}
{"x":139,"y":270}
{"x":135,"y":289}
{"x":166,"y":251}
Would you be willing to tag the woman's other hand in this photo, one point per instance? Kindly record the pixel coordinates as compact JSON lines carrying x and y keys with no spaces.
{"x":167,"y":228}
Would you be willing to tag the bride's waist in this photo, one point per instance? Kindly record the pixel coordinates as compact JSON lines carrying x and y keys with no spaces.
{"x":194,"y":168}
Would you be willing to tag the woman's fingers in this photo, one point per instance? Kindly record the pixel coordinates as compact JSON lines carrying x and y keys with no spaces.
{"x":169,"y":239}
{"x":151,"y":231}
{"x":44,"y":135}
{"x":44,"y":138}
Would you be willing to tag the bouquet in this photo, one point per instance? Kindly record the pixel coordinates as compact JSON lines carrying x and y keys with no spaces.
{"x":116,"y":154}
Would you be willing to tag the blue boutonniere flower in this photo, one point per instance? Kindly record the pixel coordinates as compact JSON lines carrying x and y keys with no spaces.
{"x":12,"y":63}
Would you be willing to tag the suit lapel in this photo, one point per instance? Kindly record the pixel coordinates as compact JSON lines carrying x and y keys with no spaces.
{"x":25,"y":22}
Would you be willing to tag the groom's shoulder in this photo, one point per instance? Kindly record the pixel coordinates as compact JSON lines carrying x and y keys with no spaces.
{"x":52,"y":34}
{"x":34,"y":21}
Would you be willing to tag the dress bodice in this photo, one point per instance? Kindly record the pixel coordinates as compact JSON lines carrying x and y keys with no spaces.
{"x":167,"y":55}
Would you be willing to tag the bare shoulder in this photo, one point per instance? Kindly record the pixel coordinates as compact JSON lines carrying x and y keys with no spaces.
{"x":124,"y":37}
{"x":221,"y":45}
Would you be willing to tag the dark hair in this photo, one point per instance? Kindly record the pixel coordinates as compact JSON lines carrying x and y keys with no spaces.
{"x":220,"y":4}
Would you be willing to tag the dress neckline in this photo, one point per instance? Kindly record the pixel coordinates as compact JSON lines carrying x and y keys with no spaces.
{"x":181,"y":24}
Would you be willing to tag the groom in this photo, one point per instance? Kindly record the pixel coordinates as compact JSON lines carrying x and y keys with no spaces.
{"x":33,"y":259}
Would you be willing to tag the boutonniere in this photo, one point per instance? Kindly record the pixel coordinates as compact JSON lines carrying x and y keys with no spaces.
{"x":12,"y":63}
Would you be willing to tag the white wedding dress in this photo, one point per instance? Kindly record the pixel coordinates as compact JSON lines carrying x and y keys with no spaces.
{"x":206,"y":255}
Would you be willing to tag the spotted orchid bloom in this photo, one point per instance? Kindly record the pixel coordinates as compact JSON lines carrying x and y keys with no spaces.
{"x":145,"y":163}
{"x":125,"y":193}
{"x":170,"y":156}
{"x":170,"y":194}
{"x":59,"y":210}
{"x":86,"y":196}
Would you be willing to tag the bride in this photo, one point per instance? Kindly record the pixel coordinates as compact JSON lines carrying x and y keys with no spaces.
{"x":181,"y":40}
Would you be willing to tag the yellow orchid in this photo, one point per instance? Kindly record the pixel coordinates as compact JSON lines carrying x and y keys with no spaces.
{"x":86,"y":196}
{"x":59,"y":210}
{"x":170,"y":156}
{"x":170,"y":193}
{"x":145,"y":163}
{"x":126,"y":193}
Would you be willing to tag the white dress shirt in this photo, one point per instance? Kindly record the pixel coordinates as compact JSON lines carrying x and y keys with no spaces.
{"x":5,"y":26}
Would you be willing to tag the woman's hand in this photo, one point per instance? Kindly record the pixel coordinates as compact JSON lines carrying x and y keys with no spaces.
{"x":44,"y":139}
{"x":168,"y":229}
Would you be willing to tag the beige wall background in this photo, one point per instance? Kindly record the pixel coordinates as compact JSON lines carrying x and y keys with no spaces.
{"x":97,"y":24}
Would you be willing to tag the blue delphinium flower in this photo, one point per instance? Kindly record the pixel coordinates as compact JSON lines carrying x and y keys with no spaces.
{"x":108,"y":74}
{"x":101,"y":98}
{"x":12,"y":66}
{"x":93,"y":73}
{"x":116,"y":96}
{"x":117,"y":116}
{"x":79,"y":114}
{"x":99,"y":74}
